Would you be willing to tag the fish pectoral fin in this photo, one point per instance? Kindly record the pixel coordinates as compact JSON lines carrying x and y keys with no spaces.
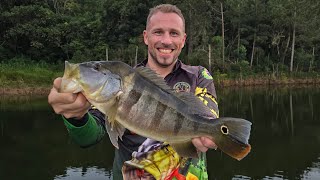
{"x":185,"y":149}
{"x":115,"y":131}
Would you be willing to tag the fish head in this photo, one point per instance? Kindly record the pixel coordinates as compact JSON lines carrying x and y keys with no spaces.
{"x":93,"y":79}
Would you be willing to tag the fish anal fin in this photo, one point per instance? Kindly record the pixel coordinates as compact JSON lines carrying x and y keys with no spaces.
{"x":185,"y":149}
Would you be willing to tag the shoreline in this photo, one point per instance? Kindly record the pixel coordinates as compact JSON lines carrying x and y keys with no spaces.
{"x":266,"y":82}
{"x":25,"y":91}
{"x":238,"y":83}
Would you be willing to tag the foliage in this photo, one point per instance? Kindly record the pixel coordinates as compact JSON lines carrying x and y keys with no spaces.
{"x":255,"y":30}
{"x":26,"y":73}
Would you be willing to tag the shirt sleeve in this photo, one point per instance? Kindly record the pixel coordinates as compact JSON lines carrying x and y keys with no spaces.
{"x":90,"y":132}
{"x":205,"y":90}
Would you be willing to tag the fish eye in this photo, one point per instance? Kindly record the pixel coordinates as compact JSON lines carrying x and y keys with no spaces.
{"x":224,"y":129}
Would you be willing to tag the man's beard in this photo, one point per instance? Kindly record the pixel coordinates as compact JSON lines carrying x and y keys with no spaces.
{"x":163,"y":65}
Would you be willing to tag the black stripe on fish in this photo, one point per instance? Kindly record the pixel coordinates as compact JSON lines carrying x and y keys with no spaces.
{"x":130,"y":101}
{"x":178,"y":123}
{"x":195,"y":126}
{"x":160,"y":109}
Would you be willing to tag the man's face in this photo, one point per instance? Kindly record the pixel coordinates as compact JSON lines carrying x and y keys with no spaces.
{"x":165,"y":38}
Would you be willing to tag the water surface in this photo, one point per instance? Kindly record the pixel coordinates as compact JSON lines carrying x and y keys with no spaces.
{"x":285,"y":138}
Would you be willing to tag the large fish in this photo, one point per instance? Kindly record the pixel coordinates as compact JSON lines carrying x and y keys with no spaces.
{"x":140,"y":101}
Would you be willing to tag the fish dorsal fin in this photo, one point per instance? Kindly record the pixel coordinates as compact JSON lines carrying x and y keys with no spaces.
{"x":154,"y":78}
{"x":195,"y":105}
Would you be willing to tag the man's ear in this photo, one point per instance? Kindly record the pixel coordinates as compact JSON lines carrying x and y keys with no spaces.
{"x":184,"y":39}
{"x":145,"y":37}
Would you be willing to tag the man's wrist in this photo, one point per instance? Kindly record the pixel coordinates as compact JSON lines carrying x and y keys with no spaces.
{"x":78,"y":122}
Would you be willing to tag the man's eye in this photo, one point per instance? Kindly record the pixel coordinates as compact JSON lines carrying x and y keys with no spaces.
{"x":174,"y":34}
{"x":157,"y":32}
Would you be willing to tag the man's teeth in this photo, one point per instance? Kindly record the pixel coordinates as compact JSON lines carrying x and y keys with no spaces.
{"x":166,"y":51}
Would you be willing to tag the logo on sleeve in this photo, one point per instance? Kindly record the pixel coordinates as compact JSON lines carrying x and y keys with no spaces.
{"x":205,"y":73}
{"x":181,"y":87}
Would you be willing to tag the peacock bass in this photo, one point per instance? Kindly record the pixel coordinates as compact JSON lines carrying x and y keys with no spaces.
{"x":140,"y":101}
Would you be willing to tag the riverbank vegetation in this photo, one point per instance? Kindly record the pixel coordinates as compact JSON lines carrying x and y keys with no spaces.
{"x":38,"y":76}
{"x":240,"y":42}
{"x":22,"y":73}
{"x":25,"y":77}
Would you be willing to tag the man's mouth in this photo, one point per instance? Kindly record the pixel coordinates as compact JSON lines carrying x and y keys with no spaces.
{"x":165,"y":51}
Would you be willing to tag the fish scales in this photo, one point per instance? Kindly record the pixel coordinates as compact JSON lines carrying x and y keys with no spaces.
{"x":139,"y":100}
{"x":145,"y":107}
{"x":158,"y":117}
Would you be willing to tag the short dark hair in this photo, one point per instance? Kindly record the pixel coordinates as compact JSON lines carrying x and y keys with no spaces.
{"x":165,"y":8}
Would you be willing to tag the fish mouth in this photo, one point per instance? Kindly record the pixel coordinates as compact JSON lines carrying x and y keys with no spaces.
{"x":69,"y":86}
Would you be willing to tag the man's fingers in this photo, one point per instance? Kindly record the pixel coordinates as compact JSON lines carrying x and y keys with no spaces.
{"x":198,"y":144}
{"x":61,"y":98}
{"x":69,"y":105}
{"x":81,"y":108}
{"x":204,"y":143}
{"x":78,"y":105}
{"x":57,"y":83}
{"x":207,"y":142}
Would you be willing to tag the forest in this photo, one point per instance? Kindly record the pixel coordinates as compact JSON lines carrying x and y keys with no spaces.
{"x":230,"y":36}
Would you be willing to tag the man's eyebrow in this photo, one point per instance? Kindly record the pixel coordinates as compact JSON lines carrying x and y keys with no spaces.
{"x":162,"y":29}
{"x":157,"y":29}
{"x":176,"y":30}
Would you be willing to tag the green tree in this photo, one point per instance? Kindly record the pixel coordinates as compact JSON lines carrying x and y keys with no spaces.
{"x":30,"y":30}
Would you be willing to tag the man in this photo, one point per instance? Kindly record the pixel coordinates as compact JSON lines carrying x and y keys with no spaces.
{"x":165,"y":37}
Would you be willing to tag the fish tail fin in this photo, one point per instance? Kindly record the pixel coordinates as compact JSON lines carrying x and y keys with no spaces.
{"x":233,"y":136}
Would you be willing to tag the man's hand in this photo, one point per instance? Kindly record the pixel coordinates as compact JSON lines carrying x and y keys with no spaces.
{"x":203,"y":143}
{"x":67,"y":104}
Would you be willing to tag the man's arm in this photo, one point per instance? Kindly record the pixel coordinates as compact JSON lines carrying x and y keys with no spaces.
{"x":88,"y":130}
{"x":84,"y":128}
{"x":205,"y":90}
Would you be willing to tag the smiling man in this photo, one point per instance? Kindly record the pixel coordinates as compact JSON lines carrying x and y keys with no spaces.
{"x":138,"y":157}
{"x":165,"y":38}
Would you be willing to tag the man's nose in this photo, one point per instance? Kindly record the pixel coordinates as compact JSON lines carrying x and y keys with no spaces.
{"x":166,"y":38}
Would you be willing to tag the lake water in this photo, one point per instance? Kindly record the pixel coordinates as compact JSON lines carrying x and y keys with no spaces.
{"x":285,"y":138}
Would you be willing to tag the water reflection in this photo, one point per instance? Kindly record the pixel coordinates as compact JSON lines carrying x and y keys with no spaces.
{"x":285,"y":139}
{"x":92,"y":173}
{"x":285,"y":136}
{"x":313,"y":171}
{"x":35,"y":143}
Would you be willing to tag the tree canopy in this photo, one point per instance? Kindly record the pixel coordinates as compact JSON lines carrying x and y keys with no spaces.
{"x":259,"y":34}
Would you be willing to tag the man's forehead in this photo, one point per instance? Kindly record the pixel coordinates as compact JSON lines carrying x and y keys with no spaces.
{"x":162,"y":15}
{"x":161,"y":20}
